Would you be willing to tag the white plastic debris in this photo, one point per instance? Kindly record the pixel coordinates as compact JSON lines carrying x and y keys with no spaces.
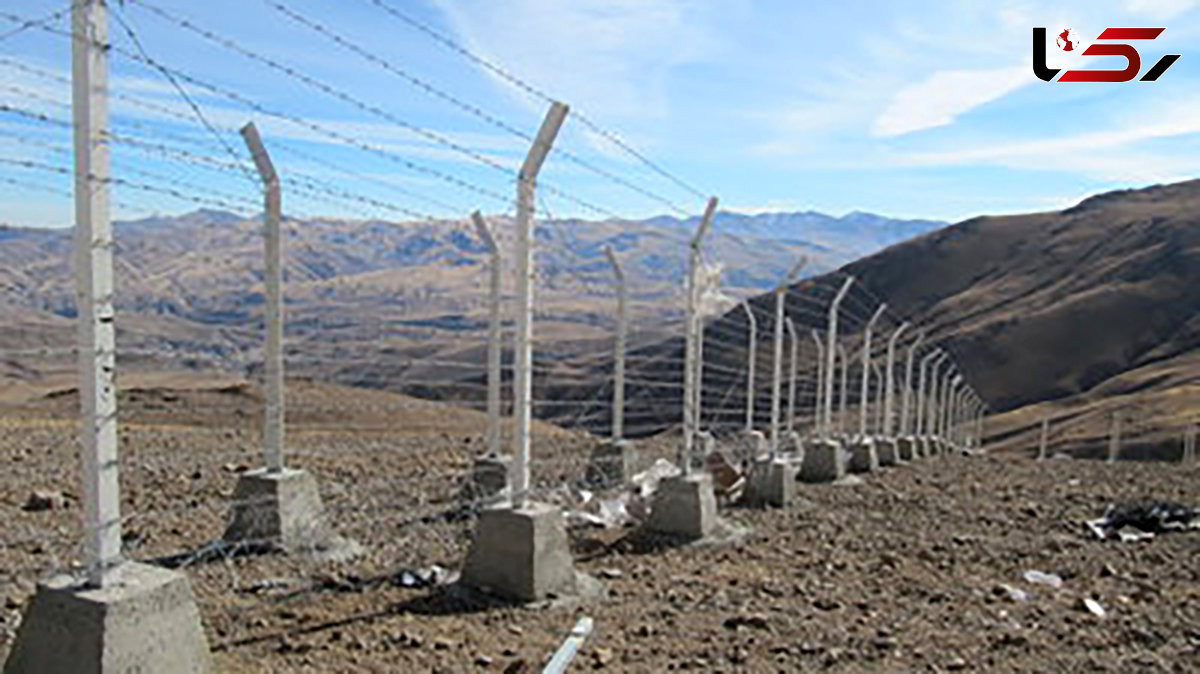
{"x":1042,"y":578}
{"x":1093,"y":607}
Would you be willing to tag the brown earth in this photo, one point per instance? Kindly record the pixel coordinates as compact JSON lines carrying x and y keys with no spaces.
{"x":900,"y":573}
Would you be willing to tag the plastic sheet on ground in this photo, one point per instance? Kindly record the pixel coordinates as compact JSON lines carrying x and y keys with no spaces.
{"x":1142,"y":520}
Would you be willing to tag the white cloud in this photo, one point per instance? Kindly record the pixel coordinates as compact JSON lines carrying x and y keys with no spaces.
{"x":610,"y":57}
{"x":944,"y":96}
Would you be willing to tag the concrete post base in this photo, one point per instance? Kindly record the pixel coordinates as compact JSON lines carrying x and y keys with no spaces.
{"x":793,"y":448}
{"x":145,"y":621}
{"x":521,"y":554}
{"x":279,"y":510}
{"x":772,"y":483}
{"x":924,"y":447}
{"x":888,"y":451}
{"x":490,"y":481}
{"x":684,"y":506}
{"x":863,"y":458}
{"x":906,"y":448}
{"x":611,"y":464}
{"x":824,"y":461}
{"x":749,"y":446}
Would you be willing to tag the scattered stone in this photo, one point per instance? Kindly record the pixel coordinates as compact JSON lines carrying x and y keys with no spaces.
{"x":442,"y":644}
{"x":517,"y":667}
{"x":756,"y":621}
{"x":957,"y":664}
{"x":1042,"y":578}
{"x":610,"y":574}
{"x":483,"y":661}
{"x":1012,"y":593}
{"x":601,"y":657}
{"x":1092,"y":606}
{"x":44,"y":499}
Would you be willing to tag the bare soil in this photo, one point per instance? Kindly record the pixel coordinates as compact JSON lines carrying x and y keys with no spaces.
{"x":904,"y":572}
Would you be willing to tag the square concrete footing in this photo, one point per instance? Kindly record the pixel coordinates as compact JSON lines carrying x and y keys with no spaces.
{"x":748,"y":446}
{"x":521,"y":554}
{"x":684,"y":506}
{"x":279,"y":510}
{"x":145,"y":620}
{"x":610,"y":465}
{"x":887,"y":450}
{"x":824,"y":461}
{"x":772,"y":483}
{"x":863,"y":458}
{"x":906,"y":448}
{"x":924,"y":447}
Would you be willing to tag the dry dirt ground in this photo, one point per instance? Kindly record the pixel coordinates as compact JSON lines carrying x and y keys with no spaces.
{"x":904,"y":572}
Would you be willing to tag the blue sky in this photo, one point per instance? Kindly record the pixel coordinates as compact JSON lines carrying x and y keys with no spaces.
{"x":909,"y":110}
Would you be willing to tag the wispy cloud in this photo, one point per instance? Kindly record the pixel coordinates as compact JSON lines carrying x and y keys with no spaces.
{"x":942,"y":97}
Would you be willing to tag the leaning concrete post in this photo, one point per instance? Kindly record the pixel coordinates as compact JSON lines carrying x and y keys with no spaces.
{"x":907,"y":427}
{"x":845,"y":388}
{"x":866,"y":370}
{"x":273,"y":253}
{"x":522,"y":385}
{"x":118,"y":615}
{"x":793,"y":372}
{"x":691,"y":385}
{"x":276,"y":507}
{"x":831,"y":352}
{"x":493,"y":345}
{"x":751,"y":361}
{"x":618,"y":413}
{"x":878,"y":410}
{"x":522,"y":552}
{"x":818,"y":429}
{"x":777,"y":370}
{"x":888,"y":427}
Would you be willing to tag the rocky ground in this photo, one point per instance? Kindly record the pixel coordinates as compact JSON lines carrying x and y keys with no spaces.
{"x":919,"y":568}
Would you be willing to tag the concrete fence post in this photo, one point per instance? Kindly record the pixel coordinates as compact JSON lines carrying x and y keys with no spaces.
{"x":692,"y":361}
{"x":866,"y":370}
{"x":120,"y":614}
{"x":494,"y":345}
{"x":523,"y":380}
{"x":273,"y":428}
{"x":1044,"y":439}
{"x":907,"y":427}
{"x":845,"y":388}
{"x":94,"y":295}
{"x":889,"y":427}
{"x":793,"y":372}
{"x":618,"y":413}
{"x":751,"y":361}
{"x":818,"y":429}
{"x":831,"y":352}
{"x":777,"y":370}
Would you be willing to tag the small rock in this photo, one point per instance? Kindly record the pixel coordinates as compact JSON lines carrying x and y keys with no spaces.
{"x":483,"y":661}
{"x":1092,"y":606}
{"x":1012,"y":593}
{"x":757,"y":621}
{"x":610,"y":573}
{"x":957,"y":664}
{"x":517,"y":667}
{"x":442,"y":644}
{"x":601,"y":657}
{"x":43,"y":499}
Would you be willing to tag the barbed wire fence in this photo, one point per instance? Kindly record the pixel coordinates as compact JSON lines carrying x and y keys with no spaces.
{"x":398,"y":398}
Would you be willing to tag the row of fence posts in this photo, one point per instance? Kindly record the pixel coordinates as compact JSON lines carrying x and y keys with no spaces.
{"x":1114,"y":443}
{"x":943,"y":405}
